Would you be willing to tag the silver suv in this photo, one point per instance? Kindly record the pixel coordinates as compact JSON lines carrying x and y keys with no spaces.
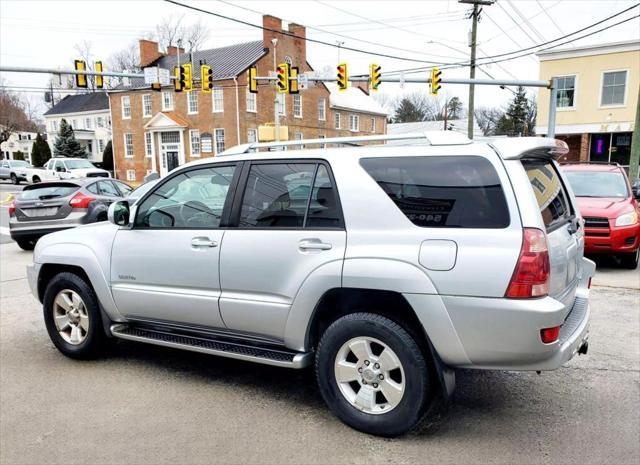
{"x":385,"y":266}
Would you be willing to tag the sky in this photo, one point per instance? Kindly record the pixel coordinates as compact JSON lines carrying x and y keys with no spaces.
{"x":42,"y":33}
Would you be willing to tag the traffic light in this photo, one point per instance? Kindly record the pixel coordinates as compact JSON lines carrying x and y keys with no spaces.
{"x":374,"y":77}
{"x":177,"y":82}
{"x":252,"y":82}
{"x":81,"y":79}
{"x":99,"y":78}
{"x":293,"y":84}
{"x":282,"y":73}
{"x":435,"y":80}
{"x":206,"y":78}
{"x":186,"y":75}
{"x":343,"y":77}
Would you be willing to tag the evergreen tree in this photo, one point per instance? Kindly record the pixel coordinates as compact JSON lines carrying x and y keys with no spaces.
{"x":454,"y":108}
{"x":66,"y":144}
{"x":408,"y":112}
{"x":107,"y":157}
{"x":518,"y":113}
{"x":40,"y":153}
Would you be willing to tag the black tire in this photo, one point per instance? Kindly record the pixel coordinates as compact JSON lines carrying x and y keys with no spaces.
{"x":35,"y":179}
{"x":14,"y":179}
{"x":95,"y":340}
{"x":630,"y":260}
{"x":418,"y":386}
{"x":26,"y":244}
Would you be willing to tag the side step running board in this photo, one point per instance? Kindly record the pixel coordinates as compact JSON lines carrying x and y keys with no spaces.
{"x":223,"y":348}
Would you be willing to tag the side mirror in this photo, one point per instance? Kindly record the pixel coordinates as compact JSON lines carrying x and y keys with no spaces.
{"x":118,"y":213}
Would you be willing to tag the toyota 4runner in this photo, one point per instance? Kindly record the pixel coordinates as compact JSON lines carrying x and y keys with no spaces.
{"x":385,"y":266}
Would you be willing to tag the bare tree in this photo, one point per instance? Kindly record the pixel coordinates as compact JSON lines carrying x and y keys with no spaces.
{"x":127,"y":59}
{"x":12,"y":114}
{"x":488,"y":119}
{"x":532,"y":115}
{"x":171,"y":31}
{"x":195,"y":35}
{"x":84,"y":51}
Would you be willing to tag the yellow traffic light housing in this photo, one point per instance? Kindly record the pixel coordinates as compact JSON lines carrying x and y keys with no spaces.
{"x":282,"y":82}
{"x":435,"y":80}
{"x":293,"y":83}
{"x":206,"y":78}
{"x":99,"y":78}
{"x":252,"y":82}
{"x":342,"y":77}
{"x":177,"y":82}
{"x":81,"y":79}
{"x":375,"y":77}
{"x":187,"y":75}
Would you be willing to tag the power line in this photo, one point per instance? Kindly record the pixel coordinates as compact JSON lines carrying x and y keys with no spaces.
{"x":526,"y":21}
{"x":516,"y":22}
{"x":307,"y":39}
{"x":544,"y":10}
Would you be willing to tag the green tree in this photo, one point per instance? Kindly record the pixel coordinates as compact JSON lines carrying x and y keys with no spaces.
{"x":407,"y":111}
{"x":107,"y":157}
{"x":18,"y":155}
{"x":66,"y":144}
{"x":518,"y":113}
{"x":40,"y":153}
{"x":454,"y":108}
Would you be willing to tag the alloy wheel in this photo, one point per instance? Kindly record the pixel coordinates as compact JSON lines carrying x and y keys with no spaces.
{"x":71,"y":317}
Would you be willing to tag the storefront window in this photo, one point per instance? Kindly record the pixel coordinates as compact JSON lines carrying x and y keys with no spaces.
{"x":611,"y":147}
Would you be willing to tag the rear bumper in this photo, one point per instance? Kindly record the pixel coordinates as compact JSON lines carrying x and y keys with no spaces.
{"x":35,"y":233}
{"x":615,"y":240}
{"x":504,"y":334}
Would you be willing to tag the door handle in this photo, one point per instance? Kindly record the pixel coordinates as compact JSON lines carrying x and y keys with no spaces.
{"x":203,"y":242}
{"x":313,"y":244}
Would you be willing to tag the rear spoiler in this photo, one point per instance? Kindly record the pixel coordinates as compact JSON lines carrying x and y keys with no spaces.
{"x":41,"y":185}
{"x":517,"y":148}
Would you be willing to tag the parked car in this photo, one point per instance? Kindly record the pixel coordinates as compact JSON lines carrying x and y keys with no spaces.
{"x":14,"y":170}
{"x":610,"y":210}
{"x":404,"y":263}
{"x":635,"y":188}
{"x":65,"y":168}
{"x":53,"y":206}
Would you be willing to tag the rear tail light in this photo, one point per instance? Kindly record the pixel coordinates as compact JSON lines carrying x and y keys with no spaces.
{"x":81,"y":200}
{"x":531,"y":276}
{"x":549,"y":335}
{"x":12,"y":208}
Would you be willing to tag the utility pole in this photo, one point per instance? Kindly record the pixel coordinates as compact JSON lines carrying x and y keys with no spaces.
{"x":635,"y":145}
{"x":472,"y":69}
{"x":276,"y":106}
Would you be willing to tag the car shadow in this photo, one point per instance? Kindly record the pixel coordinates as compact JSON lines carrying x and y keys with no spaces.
{"x":480,"y":397}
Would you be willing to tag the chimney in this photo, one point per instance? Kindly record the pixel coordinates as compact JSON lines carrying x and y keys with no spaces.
{"x":270,"y":24}
{"x":148,"y":52}
{"x":173,"y":50}
{"x":299,"y":41}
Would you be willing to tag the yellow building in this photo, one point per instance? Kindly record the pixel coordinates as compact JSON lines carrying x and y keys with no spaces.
{"x":598,"y":90}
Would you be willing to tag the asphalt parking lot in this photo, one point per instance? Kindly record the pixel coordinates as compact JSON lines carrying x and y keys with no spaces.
{"x":145,"y":404}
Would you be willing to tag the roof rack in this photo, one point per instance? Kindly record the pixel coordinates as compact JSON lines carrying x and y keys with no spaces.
{"x":431,"y":137}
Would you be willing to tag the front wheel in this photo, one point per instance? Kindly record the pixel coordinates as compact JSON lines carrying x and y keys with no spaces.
{"x":72,"y":317}
{"x":373,"y":375}
{"x":630,"y":260}
{"x":35,"y":179}
{"x":14,"y":179}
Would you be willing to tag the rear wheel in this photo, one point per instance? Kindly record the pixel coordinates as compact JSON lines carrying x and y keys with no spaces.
{"x":26,"y":244}
{"x":14,"y":179}
{"x":72,"y":317}
{"x":373,"y":375}
{"x":630,"y":260}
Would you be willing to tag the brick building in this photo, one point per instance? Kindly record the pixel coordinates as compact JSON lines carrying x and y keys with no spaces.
{"x":156,"y":131}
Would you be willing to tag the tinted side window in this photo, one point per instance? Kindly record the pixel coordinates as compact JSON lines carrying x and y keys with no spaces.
{"x":107,"y":189}
{"x":324,"y":210}
{"x":93,"y":188}
{"x":125,"y":189}
{"x":193,"y":199}
{"x":439,"y":192}
{"x":550,"y":194}
{"x":277,"y":195}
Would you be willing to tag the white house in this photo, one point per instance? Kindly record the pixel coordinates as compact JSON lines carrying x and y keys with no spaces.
{"x":19,"y":141}
{"x":90,"y":118}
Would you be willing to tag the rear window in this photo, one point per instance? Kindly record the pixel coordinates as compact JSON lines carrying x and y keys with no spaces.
{"x":445,"y":192}
{"x":550,"y":194}
{"x":48,"y":192}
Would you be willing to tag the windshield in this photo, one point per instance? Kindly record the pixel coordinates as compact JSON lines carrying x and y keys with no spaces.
{"x":597,"y":184}
{"x":75,"y":164}
{"x":20,"y":164}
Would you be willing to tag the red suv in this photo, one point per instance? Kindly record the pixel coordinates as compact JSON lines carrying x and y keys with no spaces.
{"x":610,"y":210}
